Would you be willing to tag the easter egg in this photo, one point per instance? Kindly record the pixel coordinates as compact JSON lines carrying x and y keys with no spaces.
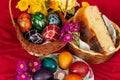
{"x":43,"y":74}
{"x":33,"y":36}
{"x":49,"y":63}
{"x":39,"y":21}
{"x":73,"y":77}
{"x":65,"y":59}
{"x":80,"y":68}
{"x":50,"y":33}
{"x":24,"y":22}
{"x":53,"y":18}
{"x":60,"y":74}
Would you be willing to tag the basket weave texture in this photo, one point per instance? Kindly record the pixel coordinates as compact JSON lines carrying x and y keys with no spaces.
{"x":35,"y":49}
{"x":94,"y":57}
{"x":42,"y":49}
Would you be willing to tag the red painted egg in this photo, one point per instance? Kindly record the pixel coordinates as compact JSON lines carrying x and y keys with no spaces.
{"x":24,"y":22}
{"x":50,"y":33}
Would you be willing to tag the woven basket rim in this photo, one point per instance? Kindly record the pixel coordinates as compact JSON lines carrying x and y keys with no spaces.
{"x":92,"y":56}
{"x":31,"y":51}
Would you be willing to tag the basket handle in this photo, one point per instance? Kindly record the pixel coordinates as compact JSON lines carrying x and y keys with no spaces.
{"x":66,"y":6}
{"x":11,"y":15}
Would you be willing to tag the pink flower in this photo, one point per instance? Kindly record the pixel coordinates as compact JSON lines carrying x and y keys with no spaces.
{"x":23,"y":76}
{"x":74,"y":27}
{"x":21,"y":66}
{"x":34,"y":65}
{"x":67,"y":38}
{"x":62,"y":33}
{"x":66,"y":27}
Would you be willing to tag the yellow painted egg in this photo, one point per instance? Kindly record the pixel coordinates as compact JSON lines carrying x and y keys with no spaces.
{"x":65,"y":59}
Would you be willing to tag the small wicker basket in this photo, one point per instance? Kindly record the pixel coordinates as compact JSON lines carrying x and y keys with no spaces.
{"x":35,"y":49}
{"x":94,"y":57}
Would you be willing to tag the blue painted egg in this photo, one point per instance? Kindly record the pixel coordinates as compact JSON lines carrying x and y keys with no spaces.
{"x":53,"y":18}
{"x":49,"y":63}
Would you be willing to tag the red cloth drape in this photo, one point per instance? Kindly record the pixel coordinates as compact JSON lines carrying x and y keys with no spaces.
{"x":11,"y":51}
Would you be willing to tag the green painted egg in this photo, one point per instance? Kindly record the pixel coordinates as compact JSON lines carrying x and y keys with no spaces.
{"x":49,"y":64}
{"x":39,"y":21}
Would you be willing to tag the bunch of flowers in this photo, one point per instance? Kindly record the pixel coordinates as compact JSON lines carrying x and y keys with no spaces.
{"x":70,"y":32}
{"x":25,"y":69}
{"x":33,"y":6}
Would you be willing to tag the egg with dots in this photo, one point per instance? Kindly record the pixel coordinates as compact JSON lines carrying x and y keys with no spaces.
{"x":24,"y":21}
{"x":50,"y":32}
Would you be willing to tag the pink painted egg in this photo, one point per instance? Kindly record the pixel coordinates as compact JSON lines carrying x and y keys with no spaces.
{"x":50,"y":33}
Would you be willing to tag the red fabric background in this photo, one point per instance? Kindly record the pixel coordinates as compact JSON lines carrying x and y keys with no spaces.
{"x":11,"y":51}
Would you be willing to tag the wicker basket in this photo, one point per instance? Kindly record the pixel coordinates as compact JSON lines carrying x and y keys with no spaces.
{"x":35,"y":49}
{"x":94,"y":57}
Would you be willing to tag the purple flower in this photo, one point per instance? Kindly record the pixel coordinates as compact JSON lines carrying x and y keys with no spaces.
{"x":37,"y":63}
{"x":33,"y":69}
{"x":66,"y":27}
{"x":62,"y":32}
{"x":74,"y":27}
{"x":34,"y":65}
{"x":30,"y":64}
{"x":23,"y":76}
{"x":21,"y":66}
{"x":67,"y":38}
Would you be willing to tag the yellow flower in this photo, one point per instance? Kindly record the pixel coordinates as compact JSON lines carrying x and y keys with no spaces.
{"x":85,"y":4}
{"x":34,"y":8}
{"x":22,"y":5}
{"x":54,"y":5}
{"x":71,"y":4}
{"x":37,"y":6}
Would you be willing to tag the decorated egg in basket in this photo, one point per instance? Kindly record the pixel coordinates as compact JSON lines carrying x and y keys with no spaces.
{"x":39,"y":21}
{"x":24,"y":22}
{"x":53,"y":18}
{"x":50,"y":33}
{"x":34,"y":36}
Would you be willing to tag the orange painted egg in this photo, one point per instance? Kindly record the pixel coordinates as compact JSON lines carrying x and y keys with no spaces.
{"x":73,"y":77}
{"x":24,"y":22}
{"x":65,"y":59}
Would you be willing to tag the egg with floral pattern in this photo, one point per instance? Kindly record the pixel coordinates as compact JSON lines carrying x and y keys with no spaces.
{"x":39,"y":21}
{"x":33,"y":36}
{"x":24,"y":22}
{"x":54,"y":18}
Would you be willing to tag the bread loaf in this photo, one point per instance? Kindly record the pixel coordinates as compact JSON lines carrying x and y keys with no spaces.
{"x":93,"y":29}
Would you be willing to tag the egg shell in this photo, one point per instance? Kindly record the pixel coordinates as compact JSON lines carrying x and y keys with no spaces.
{"x":65,"y":59}
{"x":53,"y":18}
{"x":24,"y":22}
{"x":39,"y":21}
{"x":33,"y":36}
{"x":43,"y":74}
{"x":49,"y":63}
{"x":50,"y":33}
